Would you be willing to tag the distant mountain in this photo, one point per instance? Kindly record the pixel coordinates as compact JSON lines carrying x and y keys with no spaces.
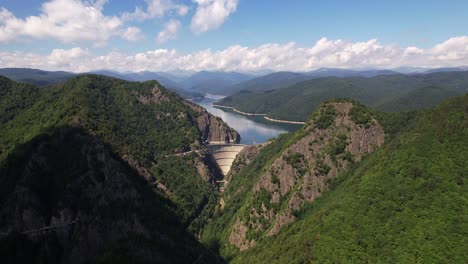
{"x":269,"y":82}
{"x":213,"y":82}
{"x":461,"y":68}
{"x":148,"y":76}
{"x":296,"y":101}
{"x":35,"y":76}
{"x":284,"y":79}
{"x":334,"y":72}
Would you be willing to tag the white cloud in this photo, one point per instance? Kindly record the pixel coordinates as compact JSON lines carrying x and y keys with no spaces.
{"x":279,"y":57}
{"x":171,"y":28}
{"x":132,"y":34}
{"x":155,"y":8}
{"x":211,"y":14}
{"x":67,"y":21}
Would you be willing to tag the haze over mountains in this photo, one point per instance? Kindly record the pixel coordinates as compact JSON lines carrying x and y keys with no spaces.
{"x":191,"y":84}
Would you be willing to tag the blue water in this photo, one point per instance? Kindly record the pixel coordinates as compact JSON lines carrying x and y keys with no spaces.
{"x":252,"y":129}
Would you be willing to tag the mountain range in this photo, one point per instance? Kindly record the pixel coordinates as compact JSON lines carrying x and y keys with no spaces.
{"x":96,"y":169}
{"x":387,"y":92}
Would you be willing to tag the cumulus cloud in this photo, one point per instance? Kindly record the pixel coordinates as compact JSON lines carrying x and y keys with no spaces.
{"x":211,"y":14}
{"x":67,"y":21}
{"x":171,"y":28}
{"x":132,"y":34}
{"x":155,"y":8}
{"x":279,"y":57}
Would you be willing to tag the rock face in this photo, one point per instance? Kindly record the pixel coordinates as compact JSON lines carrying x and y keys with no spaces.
{"x":339,"y":134}
{"x":212,"y":128}
{"x":243,"y":158}
{"x":122,"y":168}
{"x":72,"y":180}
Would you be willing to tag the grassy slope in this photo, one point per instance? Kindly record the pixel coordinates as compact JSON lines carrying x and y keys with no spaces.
{"x":407,"y":203}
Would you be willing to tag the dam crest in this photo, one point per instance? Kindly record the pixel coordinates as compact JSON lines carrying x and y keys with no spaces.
{"x":224,"y":154}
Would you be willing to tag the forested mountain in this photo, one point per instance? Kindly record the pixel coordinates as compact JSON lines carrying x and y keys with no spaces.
{"x":102,"y":170}
{"x":334,"y":72}
{"x":34,"y":76}
{"x":148,"y":76}
{"x":279,"y":80}
{"x":384,"y":92}
{"x":44,"y":78}
{"x":213,"y":82}
{"x":95,"y":162}
{"x":352,"y":186}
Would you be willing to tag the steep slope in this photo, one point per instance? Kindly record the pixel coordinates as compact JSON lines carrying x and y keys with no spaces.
{"x":289,"y":173}
{"x":407,"y":203}
{"x":297,"y":101}
{"x":418,"y":98}
{"x":142,"y":124}
{"x":66,"y":198}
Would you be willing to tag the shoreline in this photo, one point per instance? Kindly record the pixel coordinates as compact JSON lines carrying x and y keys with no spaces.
{"x":284,"y":121}
{"x":264,"y":116}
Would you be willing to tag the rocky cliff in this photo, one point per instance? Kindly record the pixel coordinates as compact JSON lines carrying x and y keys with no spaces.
{"x":129,"y":173}
{"x":339,"y":134}
{"x":66,"y":198}
{"x":212,"y":128}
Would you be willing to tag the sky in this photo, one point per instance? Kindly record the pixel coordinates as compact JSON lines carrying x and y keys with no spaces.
{"x":232,"y":35}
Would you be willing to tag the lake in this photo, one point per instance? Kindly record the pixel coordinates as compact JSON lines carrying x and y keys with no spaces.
{"x":252,"y":129}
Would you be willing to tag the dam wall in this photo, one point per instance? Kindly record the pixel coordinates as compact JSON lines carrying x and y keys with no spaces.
{"x":224,"y":154}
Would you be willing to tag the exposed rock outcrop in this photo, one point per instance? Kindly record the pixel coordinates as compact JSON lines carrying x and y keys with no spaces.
{"x":212,"y":128}
{"x":90,"y":203}
{"x":335,"y":137}
{"x":244,"y":157}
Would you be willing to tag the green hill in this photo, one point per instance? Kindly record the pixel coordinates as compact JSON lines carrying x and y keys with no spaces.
{"x":37,"y":77}
{"x":384,"y":92}
{"x":104,"y":151}
{"x":404,"y":202}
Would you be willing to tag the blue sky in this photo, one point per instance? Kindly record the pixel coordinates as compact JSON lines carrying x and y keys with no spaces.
{"x":214,"y":31}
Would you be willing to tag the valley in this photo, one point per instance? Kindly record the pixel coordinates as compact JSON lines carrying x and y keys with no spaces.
{"x":221,"y":186}
{"x":233,"y":132}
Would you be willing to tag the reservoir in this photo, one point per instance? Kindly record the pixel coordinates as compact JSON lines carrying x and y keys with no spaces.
{"x":252,"y":129}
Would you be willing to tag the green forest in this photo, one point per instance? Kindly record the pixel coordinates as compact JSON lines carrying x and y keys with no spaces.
{"x":389,"y":93}
{"x":108,"y":153}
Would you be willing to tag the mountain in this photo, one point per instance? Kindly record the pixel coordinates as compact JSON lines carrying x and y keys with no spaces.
{"x":297,"y":101}
{"x":34,"y":76}
{"x":213,"y":82}
{"x":277,"y":80}
{"x":452,"y":69}
{"x":269,"y":82}
{"x":352,"y":186}
{"x":335,"y":72}
{"x":148,"y":76}
{"x":91,"y":171}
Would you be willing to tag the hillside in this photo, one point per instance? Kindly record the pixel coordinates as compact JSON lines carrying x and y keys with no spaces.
{"x":335,"y":192}
{"x":292,"y":172}
{"x":99,"y":149}
{"x":297,"y":101}
{"x":34,"y":76}
{"x":406,"y":203}
{"x":44,"y":78}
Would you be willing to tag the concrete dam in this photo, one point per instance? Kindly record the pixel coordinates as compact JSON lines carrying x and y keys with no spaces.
{"x":224,"y":154}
